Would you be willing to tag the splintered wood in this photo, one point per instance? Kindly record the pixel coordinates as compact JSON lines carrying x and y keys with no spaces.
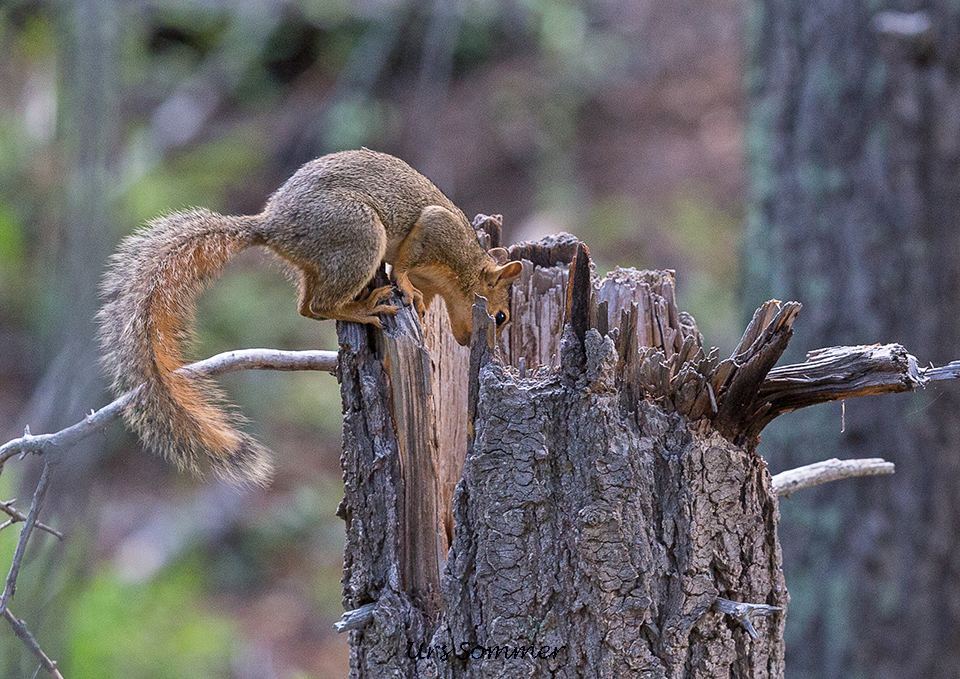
{"x":447,"y":403}
{"x":662,"y":355}
{"x":661,"y":352}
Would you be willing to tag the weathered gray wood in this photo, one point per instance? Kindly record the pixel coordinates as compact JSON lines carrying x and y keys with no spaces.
{"x":814,"y":474}
{"x":373,"y":509}
{"x":447,"y":400}
{"x":838,"y":373}
{"x":407,"y":366}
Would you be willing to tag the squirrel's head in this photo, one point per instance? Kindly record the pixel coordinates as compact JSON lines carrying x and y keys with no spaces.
{"x":494,"y":284}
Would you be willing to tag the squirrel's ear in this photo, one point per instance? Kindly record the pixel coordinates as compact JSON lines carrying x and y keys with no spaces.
{"x":499,"y":254}
{"x":509,"y":272}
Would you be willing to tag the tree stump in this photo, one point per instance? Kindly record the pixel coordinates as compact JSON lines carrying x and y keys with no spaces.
{"x":609,"y":510}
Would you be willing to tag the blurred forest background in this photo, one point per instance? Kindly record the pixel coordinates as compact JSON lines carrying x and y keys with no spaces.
{"x":622,"y":121}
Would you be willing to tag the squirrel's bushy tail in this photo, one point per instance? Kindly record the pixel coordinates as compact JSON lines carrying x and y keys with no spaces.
{"x":149,"y":292}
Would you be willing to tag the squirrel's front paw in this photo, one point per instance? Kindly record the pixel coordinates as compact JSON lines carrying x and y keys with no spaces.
{"x":418,"y":303}
{"x":410,"y":294}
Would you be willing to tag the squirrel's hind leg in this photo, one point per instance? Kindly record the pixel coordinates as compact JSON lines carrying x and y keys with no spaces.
{"x":366,"y":309}
{"x":315,"y":303}
{"x":333,"y":284}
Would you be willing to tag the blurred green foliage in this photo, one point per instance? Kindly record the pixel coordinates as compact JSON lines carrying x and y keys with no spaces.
{"x":200,"y":177}
{"x":153,"y":630}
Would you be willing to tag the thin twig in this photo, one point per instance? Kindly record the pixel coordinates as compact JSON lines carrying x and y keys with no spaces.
{"x":25,"y":533}
{"x":16,"y":515}
{"x":20,"y":629}
{"x":230,"y":361}
{"x":65,"y":438}
{"x":814,"y":474}
{"x":30,"y":522}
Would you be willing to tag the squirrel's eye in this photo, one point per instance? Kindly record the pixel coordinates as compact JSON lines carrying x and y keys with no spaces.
{"x":501,"y":318}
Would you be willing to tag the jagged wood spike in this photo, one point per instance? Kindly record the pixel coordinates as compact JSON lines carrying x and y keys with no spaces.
{"x":578,"y":293}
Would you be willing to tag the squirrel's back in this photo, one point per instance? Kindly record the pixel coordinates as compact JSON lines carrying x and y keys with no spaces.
{"x":396,"y":191}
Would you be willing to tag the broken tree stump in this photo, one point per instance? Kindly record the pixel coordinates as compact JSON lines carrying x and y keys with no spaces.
{"x":583,"y":497}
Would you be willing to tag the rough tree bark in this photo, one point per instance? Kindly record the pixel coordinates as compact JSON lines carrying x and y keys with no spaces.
{"x":855,"y":155}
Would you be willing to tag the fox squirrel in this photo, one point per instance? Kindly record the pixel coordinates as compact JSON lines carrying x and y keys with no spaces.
{"x":336,"y":219}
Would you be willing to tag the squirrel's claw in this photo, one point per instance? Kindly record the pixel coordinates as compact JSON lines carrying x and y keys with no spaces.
{"x":376,"y":295}
{"x":410,"y":294}
{"x":418,"y":303}
{"x":374,"y":306}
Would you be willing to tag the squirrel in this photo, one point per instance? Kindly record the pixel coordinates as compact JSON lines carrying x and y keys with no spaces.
{"x":335,"y":220}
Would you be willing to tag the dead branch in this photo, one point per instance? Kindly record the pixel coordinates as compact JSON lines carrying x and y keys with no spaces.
{"x":262,"y":359}
{"x":20,"y":629}
{"x":230,"y":361}
{"x":25,"y":533}
{"x":842,"y":372}
{"x":30,"y":522}
{"x":814,"y":474}
{"x":54,"y":444}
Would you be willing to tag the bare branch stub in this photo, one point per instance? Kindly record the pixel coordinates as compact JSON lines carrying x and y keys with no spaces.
{"x":746,"y":613}
{"x":836,"y":373}
{"x":358,"y":618}
{"x":814,"y":474}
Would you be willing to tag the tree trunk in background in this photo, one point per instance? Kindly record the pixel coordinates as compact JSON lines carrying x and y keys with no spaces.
{"x":87,"y":114}
{"x":88,"y":125}
{"x":854,"y":144}
{"x":603,"y":506}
